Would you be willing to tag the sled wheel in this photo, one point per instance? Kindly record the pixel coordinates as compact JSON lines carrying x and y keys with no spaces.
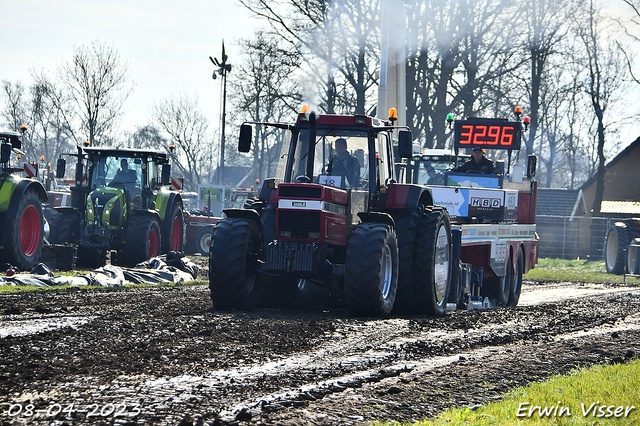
{"x":516,"y":287}
{"x":618,"y":240}
{"x":232,"y":262}
{"x":142,"y":239}
{"x":23,"y":240}
{"x":406,"y":230}
{"x":432,"y":262}
{"x":371,"y":270}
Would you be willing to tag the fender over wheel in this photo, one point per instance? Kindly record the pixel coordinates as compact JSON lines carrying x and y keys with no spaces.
{"x":232,"y":264}
{"x":432,"y":262}
{"x":371,"y":270}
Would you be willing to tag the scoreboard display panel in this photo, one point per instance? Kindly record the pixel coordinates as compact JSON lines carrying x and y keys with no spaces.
{"x":489,"y":134}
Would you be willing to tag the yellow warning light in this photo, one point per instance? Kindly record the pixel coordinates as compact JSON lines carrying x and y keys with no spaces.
{"x":86,"y":143}
{"x":42,"y":158}
{"x":23,"y":128}
{"x":518,"y":110}
{"x":305,"y":109}
{"x":48,"y":164}
{"x":172,"y":147}
{"x":393,"y":114}
{"x":19,"y":156}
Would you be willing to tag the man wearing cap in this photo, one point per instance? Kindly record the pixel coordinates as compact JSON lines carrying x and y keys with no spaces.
{"x":478,"y":163}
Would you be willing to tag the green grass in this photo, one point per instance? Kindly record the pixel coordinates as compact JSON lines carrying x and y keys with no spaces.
{"x":612,"y":385}
{"x":574,"y":271}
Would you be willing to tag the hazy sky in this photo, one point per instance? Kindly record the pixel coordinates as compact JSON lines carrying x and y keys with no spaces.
{"x":166,"y":43}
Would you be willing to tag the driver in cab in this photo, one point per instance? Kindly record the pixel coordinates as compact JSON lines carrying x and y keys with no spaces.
{"x":124,"y":175}
{"x":478,"y":163}
{"x":344,"y":164}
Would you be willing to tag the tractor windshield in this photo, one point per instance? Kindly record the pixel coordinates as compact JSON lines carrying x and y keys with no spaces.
{"x":341,"y":158}
{"x":116,"y":171}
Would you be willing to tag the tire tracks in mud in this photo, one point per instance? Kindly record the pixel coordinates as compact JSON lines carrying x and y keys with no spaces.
{"x":358,"y":360}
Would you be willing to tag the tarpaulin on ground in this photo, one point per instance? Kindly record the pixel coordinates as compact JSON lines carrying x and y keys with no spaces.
{"x":170,"y":268}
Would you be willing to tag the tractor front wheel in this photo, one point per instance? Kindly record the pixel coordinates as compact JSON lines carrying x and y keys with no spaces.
{"x":23,"y":239}
{"x":371,"y":270}
{"x":232,"y":264}
{"x":142,"y":239}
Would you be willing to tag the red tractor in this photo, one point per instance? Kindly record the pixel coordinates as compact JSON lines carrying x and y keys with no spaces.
{"x":334,"y":219}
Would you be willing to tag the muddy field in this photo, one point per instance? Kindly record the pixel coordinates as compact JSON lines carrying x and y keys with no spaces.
{"x":162,"y":356}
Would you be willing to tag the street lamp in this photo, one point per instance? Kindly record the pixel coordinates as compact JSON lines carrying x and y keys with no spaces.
{"x":223,"y":70}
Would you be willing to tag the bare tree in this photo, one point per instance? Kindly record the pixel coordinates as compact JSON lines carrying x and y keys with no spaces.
{"x":97,"y":82}
{"x":266,"y":92}
{"x":187,"y":127}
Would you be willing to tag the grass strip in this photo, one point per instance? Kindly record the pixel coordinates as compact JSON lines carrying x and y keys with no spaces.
{"x":575,"y":271}
{"x":602,"y":395}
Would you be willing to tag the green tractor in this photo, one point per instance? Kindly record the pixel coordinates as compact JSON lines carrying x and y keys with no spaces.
{"x":21,"y":216}
{"x":121,"y":203}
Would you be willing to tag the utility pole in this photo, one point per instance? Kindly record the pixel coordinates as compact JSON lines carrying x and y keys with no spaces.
{"x":223,"y":70}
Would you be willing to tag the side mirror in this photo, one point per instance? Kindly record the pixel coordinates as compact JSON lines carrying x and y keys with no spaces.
{"x":500,"y":167}
{"x":5,"y":153}
{"x":405,"y":144}
{"x":165,"y":178}
{"x":61,"y":166}
{"x":531,"y":165}
{"x":244,"y":141}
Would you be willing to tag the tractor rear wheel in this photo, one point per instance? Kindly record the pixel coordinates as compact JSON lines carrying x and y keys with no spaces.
{"x":174,"y":239}
{"x":618,"y":240}
{"x":232,"y":264}
{"x":406,"y":230}
{"x":24,"y":232}
{"x":432,"y":262}
{"x":371,"y":270}
{"x":142,"y":239}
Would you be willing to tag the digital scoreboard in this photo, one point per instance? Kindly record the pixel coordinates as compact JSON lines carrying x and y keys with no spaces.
{"x":489,"y":134}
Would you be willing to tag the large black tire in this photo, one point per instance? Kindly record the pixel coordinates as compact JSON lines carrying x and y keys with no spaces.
{"x":232,"y":256}
{"x":65,"y":227}
{"x":406,"y":231}
{"x":432,"y":262}
{"x":499,"y":288}
{"x":24,"y":233}
{"x":202,"y":241}
{"x":371,"y":270}
{"x":615,"y":247}
{"x":516,"y":286}
{"x":173,"y":239}
{"x":142,"y":239}
{"x":90,"y":258}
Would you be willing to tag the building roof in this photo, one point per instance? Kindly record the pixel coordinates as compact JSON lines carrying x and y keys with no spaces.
{"x":626,"y":208}
{"x":556,"y":201}
{"x":611,"y":163}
